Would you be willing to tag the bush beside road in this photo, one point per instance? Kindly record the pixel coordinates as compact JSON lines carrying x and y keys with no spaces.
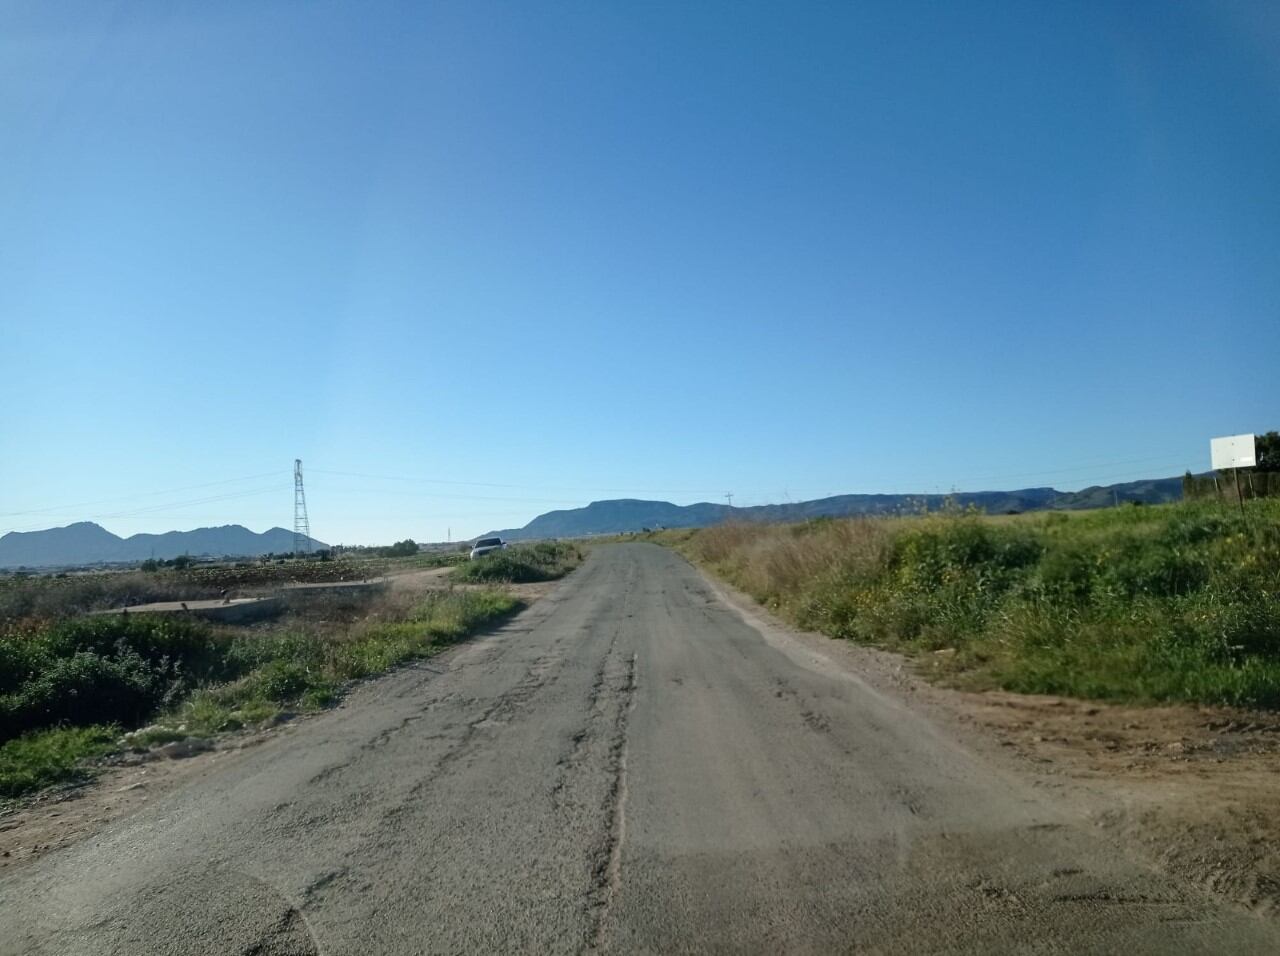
{"x":521,"y":564}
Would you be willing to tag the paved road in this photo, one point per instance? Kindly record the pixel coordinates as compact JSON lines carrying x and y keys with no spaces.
{"x":627,"y":766}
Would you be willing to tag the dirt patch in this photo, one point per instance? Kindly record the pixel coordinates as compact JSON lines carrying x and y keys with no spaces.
{"x":1194,"y":789}
{"x":430,"y":579}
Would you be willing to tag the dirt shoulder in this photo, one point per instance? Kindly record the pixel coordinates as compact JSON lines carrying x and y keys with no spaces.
{"x":1194,"y":789}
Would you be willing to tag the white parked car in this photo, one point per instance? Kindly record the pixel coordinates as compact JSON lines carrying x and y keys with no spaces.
{"x":486,"y":546}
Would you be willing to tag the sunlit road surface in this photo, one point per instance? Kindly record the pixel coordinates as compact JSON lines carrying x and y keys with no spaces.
{"x":628,"y":766}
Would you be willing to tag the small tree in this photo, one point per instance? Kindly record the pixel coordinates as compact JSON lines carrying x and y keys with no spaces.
{"x":402,"y":549}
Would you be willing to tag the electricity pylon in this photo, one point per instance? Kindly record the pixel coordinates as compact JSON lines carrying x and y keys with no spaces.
{"x":301,"y":526}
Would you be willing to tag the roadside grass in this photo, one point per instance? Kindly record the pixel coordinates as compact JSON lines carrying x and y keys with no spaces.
{"x":296,"y":671}
{"x":67,"y":689}
{"x":1170,"y":603}
{"x":521,"y":563}
{"x":45,"y":757}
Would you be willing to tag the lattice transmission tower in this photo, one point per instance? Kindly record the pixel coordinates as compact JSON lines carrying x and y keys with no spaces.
{"x":301,"y":526}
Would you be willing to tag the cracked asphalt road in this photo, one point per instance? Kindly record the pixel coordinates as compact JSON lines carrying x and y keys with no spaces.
{"x":627,"y":766}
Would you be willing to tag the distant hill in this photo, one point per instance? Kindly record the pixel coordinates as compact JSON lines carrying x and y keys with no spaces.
{"x":1151,"y":491}
{"x":630,"y":514}
{"x":88,"y":543}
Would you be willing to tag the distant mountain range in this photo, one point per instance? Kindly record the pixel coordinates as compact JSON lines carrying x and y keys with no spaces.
{"x":89,"y":543}
{"x":630,"y":514}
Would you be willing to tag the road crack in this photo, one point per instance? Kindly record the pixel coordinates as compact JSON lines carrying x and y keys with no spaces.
{"x":606,"y":881}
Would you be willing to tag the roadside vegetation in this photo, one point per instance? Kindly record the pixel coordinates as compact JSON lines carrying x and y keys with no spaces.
{"x":521,"y":563}
{"x":71,"y":689}
{"x":1169,"y":603}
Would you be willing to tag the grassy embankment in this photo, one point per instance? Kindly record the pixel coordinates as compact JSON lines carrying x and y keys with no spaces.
{"x":1178,"y":602}
{"x":68,"y":689}
{"x":521,"y":563}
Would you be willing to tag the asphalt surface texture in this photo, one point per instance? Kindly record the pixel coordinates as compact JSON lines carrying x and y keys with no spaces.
{"x":628,"y":766}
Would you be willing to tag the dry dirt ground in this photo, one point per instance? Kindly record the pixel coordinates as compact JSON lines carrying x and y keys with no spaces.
{"x":1194,"y":787}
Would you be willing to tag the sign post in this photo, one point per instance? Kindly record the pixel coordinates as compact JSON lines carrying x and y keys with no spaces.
{"x":1234,"y":452}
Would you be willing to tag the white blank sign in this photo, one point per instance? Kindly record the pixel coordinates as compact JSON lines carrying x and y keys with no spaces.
{"x":1234,"y":451}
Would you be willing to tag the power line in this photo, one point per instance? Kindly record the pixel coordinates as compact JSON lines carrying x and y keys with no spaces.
{"x":491,"y":484}
{"x":141,"y":494}
{"x":433,"y":495}
{"x":133,"y":513}
{"x":153,"y":510}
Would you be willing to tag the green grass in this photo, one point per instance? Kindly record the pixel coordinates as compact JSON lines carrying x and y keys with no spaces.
{"x":1178,"y":602}
{"x":61,"y":684}
{"x":47,"y":757}
{"x":522,"y":563}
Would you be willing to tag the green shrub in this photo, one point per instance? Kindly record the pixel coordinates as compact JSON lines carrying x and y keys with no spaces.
{"x":402,"y":549}
{"x":82,"y":689}
{"x":1067,"y":573}
{"x":521,"y":563}
{"x":281,"y":680}
{"x":101,"y":669}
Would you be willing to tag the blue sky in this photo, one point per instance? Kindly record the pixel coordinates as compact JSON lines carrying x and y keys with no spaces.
{"x":474,"y":261}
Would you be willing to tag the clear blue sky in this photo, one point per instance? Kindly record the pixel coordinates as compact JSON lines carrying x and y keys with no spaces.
{"x":536,"y":254}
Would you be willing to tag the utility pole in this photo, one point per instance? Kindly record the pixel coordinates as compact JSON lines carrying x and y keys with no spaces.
{"x":728,"y":496}
{"x":301,"y":525}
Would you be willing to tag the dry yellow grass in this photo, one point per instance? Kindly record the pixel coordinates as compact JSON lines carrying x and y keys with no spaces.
{"x":772,"y":562}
